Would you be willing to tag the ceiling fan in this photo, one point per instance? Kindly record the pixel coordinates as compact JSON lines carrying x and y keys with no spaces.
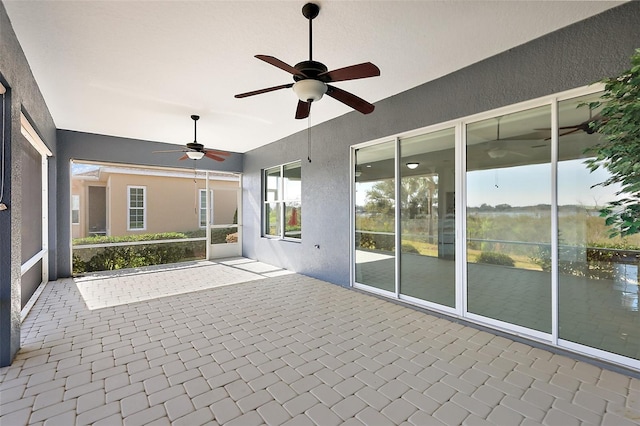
{"x":585,"y":126}
{"x":497,"y":148}
{"x":196,"y":151}
{"x":311,"y":78}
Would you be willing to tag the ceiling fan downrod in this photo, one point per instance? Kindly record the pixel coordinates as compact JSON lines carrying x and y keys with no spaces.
{"x":310,"y":11}
{"x":195,"y":119}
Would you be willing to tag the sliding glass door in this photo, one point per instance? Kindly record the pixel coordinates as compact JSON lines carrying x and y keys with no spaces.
{"x":427,"y":213}
{"x":509,"y":218}
{"x":375,"y":198}
{"x":501,"y":219}
{"x":597,"y":271}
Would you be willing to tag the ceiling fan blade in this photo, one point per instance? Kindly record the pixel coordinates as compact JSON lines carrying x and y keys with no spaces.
{"x":576,"y":126}
{"x":184,"y":157}
{"x":216,"y":152}
{"x":213,"y":156}
{"x":575,"y":130}
{"x":364,"y":70}
{"x":268,"y":89}
{"x":171,"y":150}
{"x":350,"y":99}
{"x":303,"y":110}
{"x":279,"y":64}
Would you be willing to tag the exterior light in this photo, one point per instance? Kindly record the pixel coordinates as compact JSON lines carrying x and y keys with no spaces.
{"x":413,"y":165}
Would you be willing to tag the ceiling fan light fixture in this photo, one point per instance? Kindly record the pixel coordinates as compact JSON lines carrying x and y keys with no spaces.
{"x":310,"y":89}
{"x":195,"y":155}
{"x":413,"y":165}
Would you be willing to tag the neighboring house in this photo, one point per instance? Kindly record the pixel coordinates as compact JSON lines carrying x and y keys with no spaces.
{"x":115,"y":200}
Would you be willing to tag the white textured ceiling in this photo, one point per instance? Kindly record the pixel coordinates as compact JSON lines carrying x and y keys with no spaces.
{"x":139,"y":69}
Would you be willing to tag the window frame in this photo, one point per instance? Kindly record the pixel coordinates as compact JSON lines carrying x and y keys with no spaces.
{"x":280,"y":200}
{"x":143,"y":208}
{"x":75,"y":207}
{"x":202,"y":206}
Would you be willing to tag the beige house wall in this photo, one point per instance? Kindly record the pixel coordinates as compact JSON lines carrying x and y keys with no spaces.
{"x":80,"y":187}
{"x":171,"y":203}
{"x":224,"y":205}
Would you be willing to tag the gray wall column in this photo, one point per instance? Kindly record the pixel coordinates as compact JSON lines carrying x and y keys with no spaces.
{"x":24,"y":96}
{"x":9,"y":304}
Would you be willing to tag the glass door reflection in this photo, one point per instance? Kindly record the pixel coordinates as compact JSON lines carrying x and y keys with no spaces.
{"x":509,"y":218}
{"x":375,"y":216}
{"x":597,"y":271}
{"x":427,"y":212}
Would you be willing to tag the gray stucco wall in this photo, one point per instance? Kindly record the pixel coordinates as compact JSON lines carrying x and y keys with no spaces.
{"x":569,"y":58}
{"x":23,"y":95}
{"x":111,"y":149}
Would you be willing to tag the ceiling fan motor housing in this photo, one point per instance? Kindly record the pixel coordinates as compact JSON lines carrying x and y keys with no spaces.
{"x":310,"y":69}
{"x":195,"y":146}
{"x":310,"y":88}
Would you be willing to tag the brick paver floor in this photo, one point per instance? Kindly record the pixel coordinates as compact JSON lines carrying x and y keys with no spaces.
{"x":242,"y":343}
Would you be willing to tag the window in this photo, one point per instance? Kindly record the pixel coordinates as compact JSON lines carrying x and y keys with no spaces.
{"x":137,"y":208}
{"x":203,"y":208}
{"x":283,"y":201}
{"x":75,"y":209}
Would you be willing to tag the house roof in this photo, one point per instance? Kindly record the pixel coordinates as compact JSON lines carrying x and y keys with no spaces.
{"x":94,"y":171}
{"x":139,"y":69}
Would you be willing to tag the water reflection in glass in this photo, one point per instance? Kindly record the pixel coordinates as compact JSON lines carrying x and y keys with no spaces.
{"x":509,"y":218}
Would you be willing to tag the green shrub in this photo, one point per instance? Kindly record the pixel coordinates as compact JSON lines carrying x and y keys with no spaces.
{"x":135,"y":256}
{"x":408,"y":248}
{"x":381,"y":242}
{"x":101,"y":239}
{"x":200,"y":233}
{"x":79,"y":265}
{"x":495,"y":258}
{"x":367,"y":242}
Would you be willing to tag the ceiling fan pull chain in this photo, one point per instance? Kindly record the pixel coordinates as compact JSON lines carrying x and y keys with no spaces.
{"x":309,"y":136}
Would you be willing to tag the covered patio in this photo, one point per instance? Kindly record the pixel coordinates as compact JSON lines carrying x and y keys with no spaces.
{"x":242,"y":342}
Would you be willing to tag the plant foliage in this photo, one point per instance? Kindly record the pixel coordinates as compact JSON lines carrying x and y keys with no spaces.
{"x":133,"y":256}
{"x":121,"y":257}
{"x":619,"y":149}
{"x":103,"y":239}
{"x":495,"y":258}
